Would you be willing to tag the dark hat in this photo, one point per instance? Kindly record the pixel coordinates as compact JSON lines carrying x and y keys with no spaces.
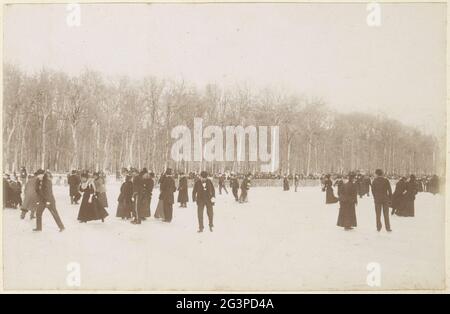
{"x":204,"y":174}
{"x":379,"y":172}
{"x":39,"y":172}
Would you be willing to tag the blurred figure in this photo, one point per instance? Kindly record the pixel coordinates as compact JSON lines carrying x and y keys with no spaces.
{"x":183,"y":197}
{"x":46,"y":200}
{"x":31,"y":198}
{"x":74,"y":182}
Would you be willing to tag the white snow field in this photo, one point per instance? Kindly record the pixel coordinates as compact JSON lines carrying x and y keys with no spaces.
{"x":280,"y":241}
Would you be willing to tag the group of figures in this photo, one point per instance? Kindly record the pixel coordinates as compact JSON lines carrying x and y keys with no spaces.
{"x":134,"y":199}
{"x":353,"y":185}
{"x":136,"y":193}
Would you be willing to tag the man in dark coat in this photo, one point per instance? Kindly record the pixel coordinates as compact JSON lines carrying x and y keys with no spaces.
{"x":222,"y":186}
{"x":138,"y":195}
{"x":183,"y":197}
{"x":46,"y":200}
{"x":382,"y":195}
{"x":234,"y":184}
{"x":204,"y":194}
{"x":167,"y":188}
{"x":347,"y":201}
{"x":245,"y":186}
{"x":74,"y":182}
{"x":146,"y":198}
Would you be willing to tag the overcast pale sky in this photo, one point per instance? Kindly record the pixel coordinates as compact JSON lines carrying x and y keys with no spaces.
{"x":324,"y":50}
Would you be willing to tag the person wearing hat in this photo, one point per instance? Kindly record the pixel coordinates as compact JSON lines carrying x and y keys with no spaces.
{"x":398,"y":197}
{"x":46,"y":199}
{"x":124,"y":208}
{"x":74,"y":182}
{"x":245,"y":186}
{"x":183,"y":197}
{"x":222,"y":186}
{"x":410,"y":196}
{"x":147,"y":190}
{"x":347,"y":203}
{"x":203,"y":194}
{"x":234,"y":184}
{"x":167,"y":188}
{"x":382,"y":195}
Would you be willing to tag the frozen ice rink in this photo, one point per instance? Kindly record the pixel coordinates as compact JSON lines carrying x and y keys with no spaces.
{"x":278,"y":241}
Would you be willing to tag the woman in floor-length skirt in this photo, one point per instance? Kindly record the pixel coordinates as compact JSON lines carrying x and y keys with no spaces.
{"x":90,"y":208}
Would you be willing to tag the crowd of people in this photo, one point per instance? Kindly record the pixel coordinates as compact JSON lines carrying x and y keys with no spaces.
{"x":355,"y":185}
{"x":136,"y":192}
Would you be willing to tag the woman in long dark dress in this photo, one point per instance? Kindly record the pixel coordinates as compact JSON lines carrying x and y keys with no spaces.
{"x":410,"y":196}
{"x":183,"y":196}
{"x":347,"y":201}
{"x":159,"y":212}
{"x":91,"y":208}
{"x":398,"y":197}
{"x":125,"y":199}
{"x":146,"y":197}
{"x":328,"y":188}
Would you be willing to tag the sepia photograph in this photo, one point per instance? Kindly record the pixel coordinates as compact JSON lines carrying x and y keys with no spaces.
{"x":224,"y":147}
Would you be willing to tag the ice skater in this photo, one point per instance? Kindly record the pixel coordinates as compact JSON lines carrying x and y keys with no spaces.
{"x":204,"y":194}
{"x":347,"y":204}
{"x":382,"y":195}
{"x":46,"y":198}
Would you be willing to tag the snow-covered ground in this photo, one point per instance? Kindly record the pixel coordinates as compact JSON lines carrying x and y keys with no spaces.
{"x":279,"y":241}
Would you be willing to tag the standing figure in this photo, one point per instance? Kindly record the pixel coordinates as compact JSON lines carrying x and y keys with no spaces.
{"x":328,"y":189}
{"x":398,"y":197}
{"x":91,"y":207}
{"x":16,"y":189}
{"x":382,"y":194}
{"x":46,"y":199}
{"x":183,"y":197}
{"x":347,"y":202}
{"x":125,"y":205}
{"x":222,"y":186}
{"x":234,"y":184}
{"x":167,"y":189}
{"x":74,"y":181}
{"x":100,"y":188}
{"x":146,"y":198}
{"x":138,"y":195}
{"x":204,"y":194}
{"x":30,"y":199}
{"x":296,"y":182}
{"x":23,"y":176}
{"x":7,"y":192}
{"x":409,"y":197}
{"x":339,"y":183}
{"x":159,"y":212}
{"x":285,"y":183}
{"x":245,"y":186}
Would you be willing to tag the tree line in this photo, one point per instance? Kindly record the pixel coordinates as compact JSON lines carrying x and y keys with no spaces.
{"x":59,"y":122}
